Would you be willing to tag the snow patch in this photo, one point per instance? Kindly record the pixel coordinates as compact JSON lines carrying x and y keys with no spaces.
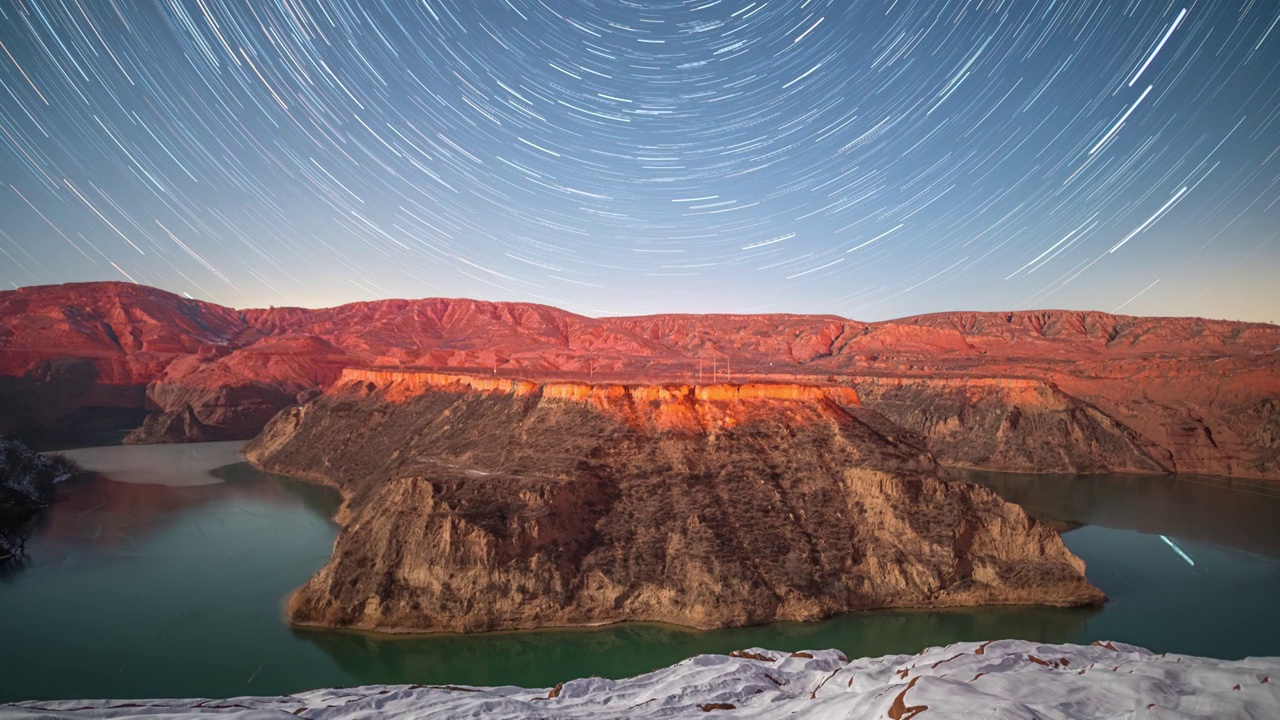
{"x":1005,"y":679}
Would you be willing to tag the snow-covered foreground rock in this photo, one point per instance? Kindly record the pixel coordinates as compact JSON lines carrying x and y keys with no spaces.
{"x":1003,"y":679}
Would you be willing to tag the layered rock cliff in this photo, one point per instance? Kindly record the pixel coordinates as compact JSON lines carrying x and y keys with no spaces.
{"x":1013,"y":424}
{"x":476,"y":503}
{"x":1108,"y":392}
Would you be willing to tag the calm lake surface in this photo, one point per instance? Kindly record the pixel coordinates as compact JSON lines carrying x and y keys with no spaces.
{"x":164,"y":575}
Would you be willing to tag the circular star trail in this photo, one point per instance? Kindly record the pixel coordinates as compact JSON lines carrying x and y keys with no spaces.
{"x":871,"y":159}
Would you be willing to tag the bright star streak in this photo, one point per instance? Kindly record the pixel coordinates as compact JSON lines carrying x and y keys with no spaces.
{"x":1178,"y":550}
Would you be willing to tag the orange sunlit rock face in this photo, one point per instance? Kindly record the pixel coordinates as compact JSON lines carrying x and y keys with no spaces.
{"x":662,"y":407}
{"x":1047,"y":390}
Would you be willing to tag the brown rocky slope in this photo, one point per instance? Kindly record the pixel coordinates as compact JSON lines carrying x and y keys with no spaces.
{"x":475,"y":503}
{"x":1049,"y":390}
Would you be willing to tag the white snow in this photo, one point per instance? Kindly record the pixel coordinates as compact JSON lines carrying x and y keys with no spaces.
{"x":1004,"y":679}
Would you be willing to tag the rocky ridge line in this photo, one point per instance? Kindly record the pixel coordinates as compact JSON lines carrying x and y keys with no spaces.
{"x":97,"y":360}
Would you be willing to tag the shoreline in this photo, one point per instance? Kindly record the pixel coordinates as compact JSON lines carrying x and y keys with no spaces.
{"x":1102,"y":679}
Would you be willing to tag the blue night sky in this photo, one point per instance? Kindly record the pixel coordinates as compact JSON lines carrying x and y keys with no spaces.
{"x":872,"y":159}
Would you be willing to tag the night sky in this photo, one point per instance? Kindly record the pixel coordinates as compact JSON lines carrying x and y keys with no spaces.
{"x":869,"y":159}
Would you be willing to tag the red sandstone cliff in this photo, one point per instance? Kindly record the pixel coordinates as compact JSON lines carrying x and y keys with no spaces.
{"x":481,"y":503}
{"x":1102,"y":392}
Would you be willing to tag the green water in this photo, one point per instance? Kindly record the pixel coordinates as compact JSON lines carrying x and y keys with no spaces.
{"x":151,"y":590}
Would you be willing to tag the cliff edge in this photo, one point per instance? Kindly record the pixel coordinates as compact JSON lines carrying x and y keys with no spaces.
{"x":478,"y":503}
{"x":1038,"y":391}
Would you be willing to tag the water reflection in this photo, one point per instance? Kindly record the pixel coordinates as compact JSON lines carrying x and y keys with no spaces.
{"x":245,"y":480}
{"x":96,"y":510}
{"x":152,"y":590}
{"x":1232,"y":512}
{"x":543,"y":658}
{"x":1223,"y":605}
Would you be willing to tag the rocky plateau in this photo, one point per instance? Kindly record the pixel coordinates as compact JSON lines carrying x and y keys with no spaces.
{"x":1042,"y":391}
{"x":482,"y":503}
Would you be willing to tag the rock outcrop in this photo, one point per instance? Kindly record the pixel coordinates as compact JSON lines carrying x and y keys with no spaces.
{"x":1037,"y":390}
{"x":476,"y":503}
{"x":1013,"y":424}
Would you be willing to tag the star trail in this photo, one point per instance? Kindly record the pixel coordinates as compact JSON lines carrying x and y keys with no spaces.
{"x":870,"y":159}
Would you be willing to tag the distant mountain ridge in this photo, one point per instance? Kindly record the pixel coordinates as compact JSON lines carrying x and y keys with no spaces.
{"x":87,"y":360}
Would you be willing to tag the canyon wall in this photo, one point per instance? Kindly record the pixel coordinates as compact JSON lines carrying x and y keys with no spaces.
{"x":480,"y":504}
{"x":95,"y":362}
{"x":1018,"y":425}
